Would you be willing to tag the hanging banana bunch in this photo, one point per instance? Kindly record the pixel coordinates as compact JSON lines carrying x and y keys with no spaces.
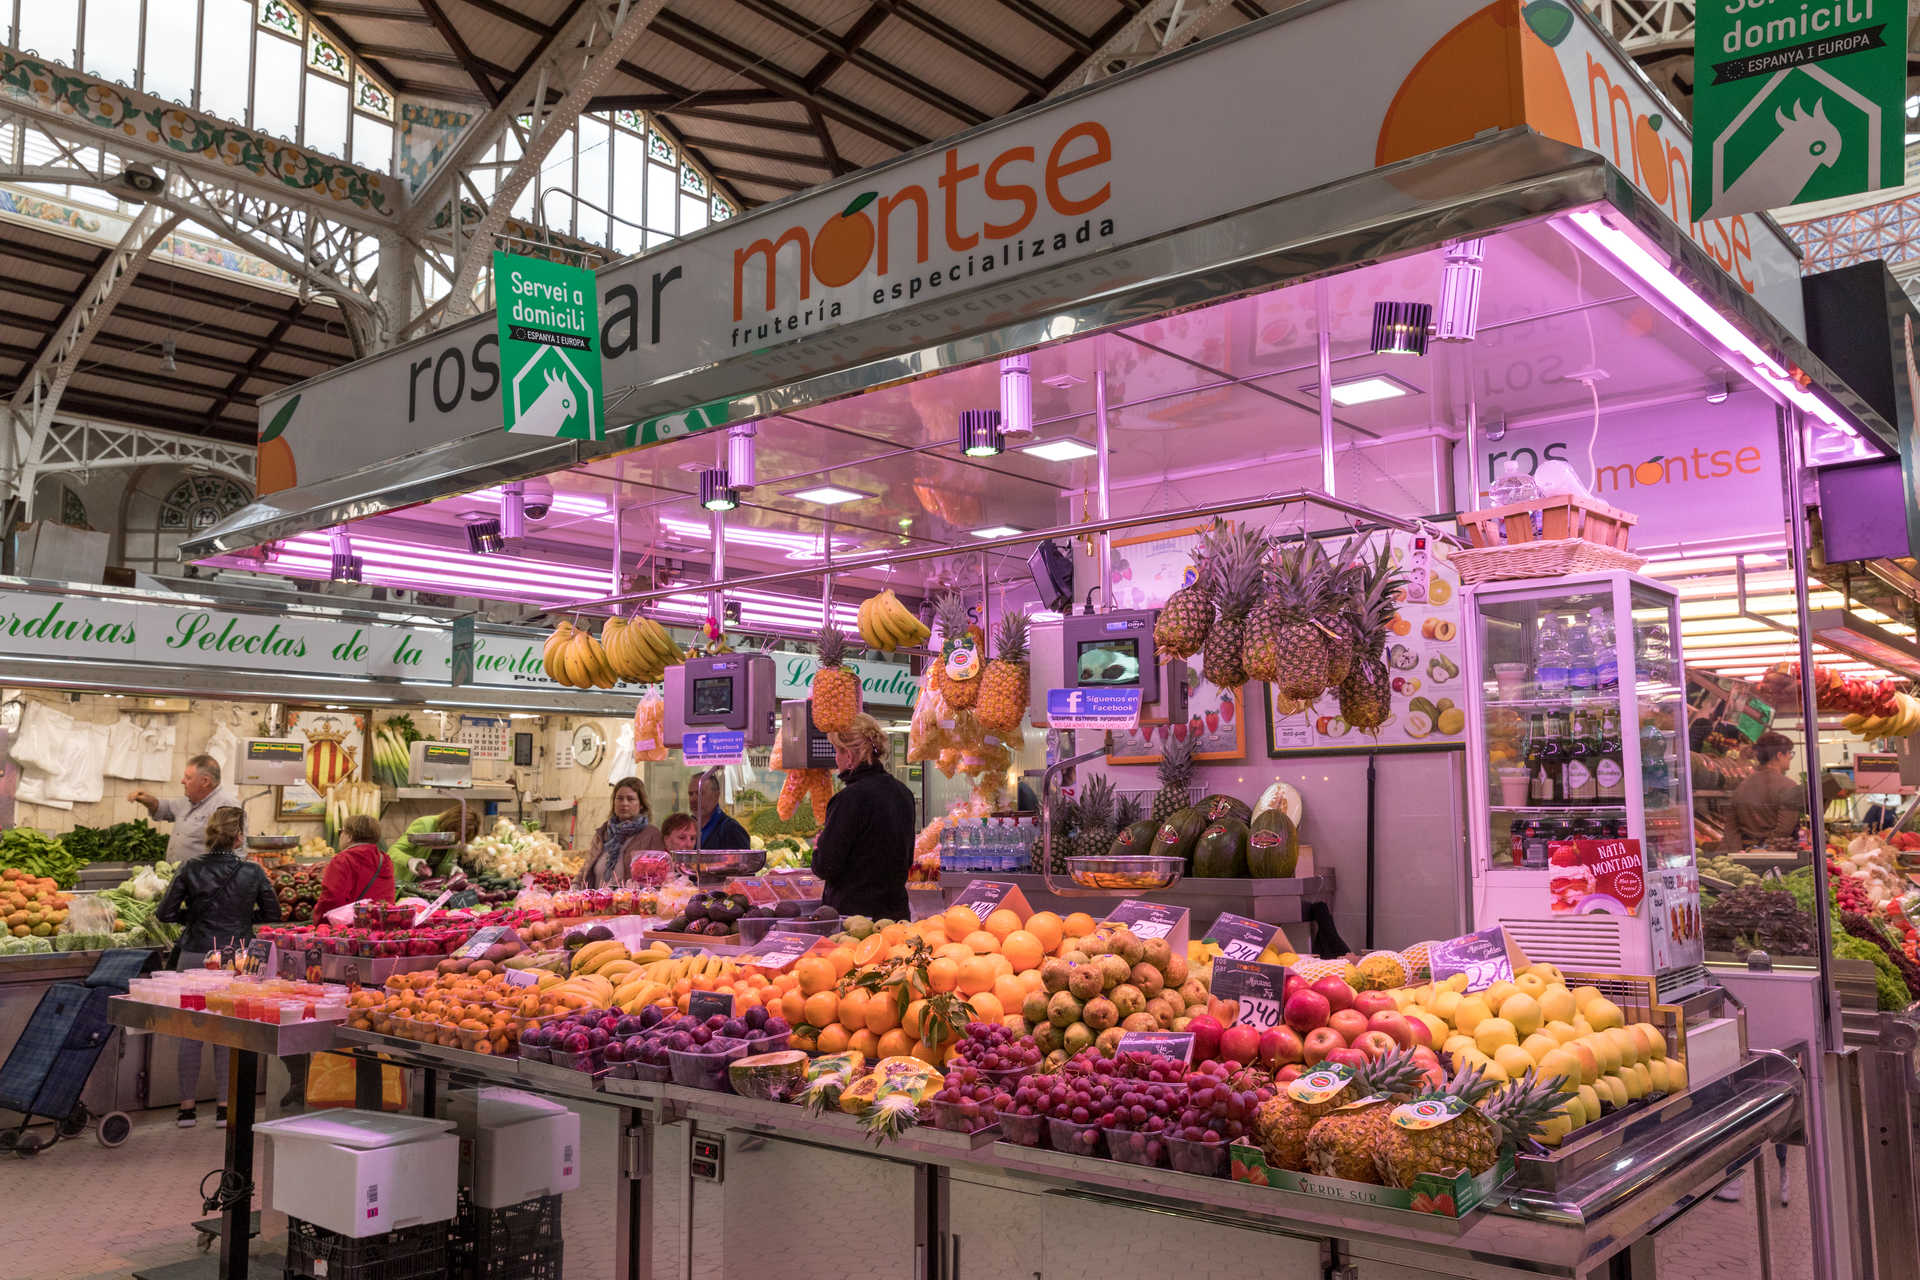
{"x":886,"y":624}
{"x":640,"y":649}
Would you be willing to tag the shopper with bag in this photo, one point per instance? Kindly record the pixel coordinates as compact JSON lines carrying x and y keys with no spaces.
{"x":627,"y":831}
{"x":359,"y":871}
{"x":217,"y":899}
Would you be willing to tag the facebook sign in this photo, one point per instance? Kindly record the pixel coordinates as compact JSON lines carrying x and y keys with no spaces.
{"x":711,"y":748}
{"x":1093,"y":708}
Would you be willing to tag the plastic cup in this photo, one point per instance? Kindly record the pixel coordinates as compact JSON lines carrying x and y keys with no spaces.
{"x":1512,"y":678}
{"x":1514,"y":786}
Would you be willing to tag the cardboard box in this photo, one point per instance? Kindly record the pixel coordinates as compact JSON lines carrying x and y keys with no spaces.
{"x":1448,"y":1196}
{"x":364,"y":1173}
{"x":514,"y":1145}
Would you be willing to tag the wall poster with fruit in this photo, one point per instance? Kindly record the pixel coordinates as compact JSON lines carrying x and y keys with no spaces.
{"x":1146,"y":570}
{"x":336,"y":752}
{"x":1424,"y":653}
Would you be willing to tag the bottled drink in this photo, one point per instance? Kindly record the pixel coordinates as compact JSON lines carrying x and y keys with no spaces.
{"x":1517,"y":841}
{"x":1551,"y":659}
{"x":1580,"y":672}
{"x":1514,"y":485}
{"x":1539,"y":773}
{"x":1609,"y":773}
{"x":1655,"y":775}
{"x":1578,"y":769}
{"x":1555,"y":753}
{"x":1606,"y":660}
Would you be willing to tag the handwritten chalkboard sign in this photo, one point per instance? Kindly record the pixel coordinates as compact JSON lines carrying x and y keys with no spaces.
{"x":704,"y":1004}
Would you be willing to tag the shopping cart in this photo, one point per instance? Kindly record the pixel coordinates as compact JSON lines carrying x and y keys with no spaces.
{"x":48,"y":1068}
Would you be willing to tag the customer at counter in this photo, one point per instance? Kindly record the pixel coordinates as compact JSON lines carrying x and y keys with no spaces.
{"x":718,"y":830}
{"x":217,"y":898}
{"x":865,"y":847}
{"x":189,"y":814}
{"x":1767,"y":806}
{"x":628,"y":830}
{"x":680,"y":832}
{"x":405,"y":853}
{"x":358,"y":871}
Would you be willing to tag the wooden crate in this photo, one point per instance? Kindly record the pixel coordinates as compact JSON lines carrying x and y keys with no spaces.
{"x":1561,"y":516}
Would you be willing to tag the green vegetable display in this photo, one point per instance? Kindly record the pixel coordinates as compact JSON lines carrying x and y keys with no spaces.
{"x":135,"y":841}
{"x":1890,"y":993}
{"x":39,"y":854}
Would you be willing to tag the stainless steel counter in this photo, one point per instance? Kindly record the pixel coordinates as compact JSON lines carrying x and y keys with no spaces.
{"x":275,"y":1040}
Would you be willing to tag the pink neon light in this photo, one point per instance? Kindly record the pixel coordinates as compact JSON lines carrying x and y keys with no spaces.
{"x":505,"y":568}
{"x":378,"y":575}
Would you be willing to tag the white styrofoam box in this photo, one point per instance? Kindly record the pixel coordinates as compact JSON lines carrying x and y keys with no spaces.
{"x":363,"y":1173}
{"x":514,"y":1145}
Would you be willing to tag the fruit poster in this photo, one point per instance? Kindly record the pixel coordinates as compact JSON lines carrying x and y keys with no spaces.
{"x":1146,"y":570}
{"x":336,"y":744}
{"x":1426,"y":667}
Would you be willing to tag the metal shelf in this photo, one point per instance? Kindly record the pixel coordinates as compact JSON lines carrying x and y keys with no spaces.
{"x":1557,"y":808}
{"x":476,"y":792}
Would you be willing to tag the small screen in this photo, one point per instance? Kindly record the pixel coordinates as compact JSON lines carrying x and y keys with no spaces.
{"x":269,"y":751}
{"x":1113,"y":661}
{"x":713,"y":696}
{"x":446,"y":753}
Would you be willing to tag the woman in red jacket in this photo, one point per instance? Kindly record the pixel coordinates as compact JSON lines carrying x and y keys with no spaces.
{"x":358,"y":871}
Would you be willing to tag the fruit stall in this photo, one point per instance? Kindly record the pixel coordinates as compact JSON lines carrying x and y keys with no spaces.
{"x":1297,"y":590}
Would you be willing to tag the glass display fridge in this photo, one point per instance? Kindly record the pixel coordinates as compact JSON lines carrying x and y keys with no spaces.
{"x":1582,"y":836}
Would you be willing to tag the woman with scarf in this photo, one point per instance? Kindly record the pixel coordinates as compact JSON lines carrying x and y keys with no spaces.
{"x":626,"y":832}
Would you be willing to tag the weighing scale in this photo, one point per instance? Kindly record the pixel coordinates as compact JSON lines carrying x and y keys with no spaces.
{"x":267,"y":763}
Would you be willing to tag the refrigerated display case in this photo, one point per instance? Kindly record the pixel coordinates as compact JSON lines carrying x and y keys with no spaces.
{"x":1577,"y":732}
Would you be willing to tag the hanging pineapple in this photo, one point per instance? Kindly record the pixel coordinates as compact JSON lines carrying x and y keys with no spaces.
{"x":1237,"y":568}
{"x":956,"y":673}
{"x":1004,"y":686}
{"x":1285,"y":647}
{"x":1333,"y":612}
{"x":1181,"y":629}
{"x":836,"y":689}
{"x":1366,"y":694}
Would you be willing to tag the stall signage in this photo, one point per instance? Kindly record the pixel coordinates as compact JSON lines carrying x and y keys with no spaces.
{"x":521,"y":977}
{"x":1177,"y":1045}
{"x":476,"y":945}
{"x":1481,"y":956}
{"x":1116,"y":709}
{"x":1876,"y":774}
{"x":286,"y":963}
{"x":1151,"y":920}
{"x":1240,"y":938}
{"x":888,"y":683}
{"x":1796,"y":103}
{"x":779,"y":949}
{"x":711,"y":747}
{"x":548,"y":314}
{"x":984,"y":897}
{"x":1260,"y":989}
{"x":257,"y":957}
{"x":1596,"y":876}
{"x":704,"y":1004}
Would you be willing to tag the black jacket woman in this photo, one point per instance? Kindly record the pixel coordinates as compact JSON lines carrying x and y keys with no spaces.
{"x":217,"y":899}
{"x":865,"y":849}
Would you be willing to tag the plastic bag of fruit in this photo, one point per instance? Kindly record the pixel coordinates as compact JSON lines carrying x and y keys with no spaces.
{"x":650,"y":727}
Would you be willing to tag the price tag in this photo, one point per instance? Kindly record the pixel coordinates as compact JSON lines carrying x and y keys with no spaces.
{"x":754,"y":889}
{"x":1177,"y":1045}
{"x":704,"y":1004}
{"x":476,"y":945}
{"x":1112,"y":708}
{"x":1260,"y":989}
{"x":777,"y":951}
{"x":422,"y":913}
{"x":1241,"y":938}
{"x":1481,"y":956}
{"x":521,"y":977}
{"x":1152,"y":920}
{"x":711,"y":747}
{"x":353,"y":974}
{"x":984,"y":897}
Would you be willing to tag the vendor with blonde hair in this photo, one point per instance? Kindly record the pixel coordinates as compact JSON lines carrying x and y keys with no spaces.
{"x":865,"y":849}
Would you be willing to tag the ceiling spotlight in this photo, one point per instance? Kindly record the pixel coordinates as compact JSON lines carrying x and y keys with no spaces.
{"x":344,"y":566}
{"x":166,"y":355}
{"x":1016,"y":396}
{"x":980,"y":433}
{"x":827,"y":495}
{"x":1400,"y":328}
{"x":1065,"y":449}
{"x":1364,"y":390}
{"x":483,"y":536}
{"x":1718,"y":392}
{"x":1460,"y":292}
{"x":716,"y":494}
{"x":740,"y":455}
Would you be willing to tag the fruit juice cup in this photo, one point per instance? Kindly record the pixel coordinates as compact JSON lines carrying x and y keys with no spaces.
{"x":963,"y":1117}
{"x":1137,"y":1146}
{"x":1514,"y":784}
{"x":1075,"y":1139}
{"x":1512,"y":679}
{"x":706,"y":1067}
{"x":192,"y":1000}
{"x":1208,"y":1159}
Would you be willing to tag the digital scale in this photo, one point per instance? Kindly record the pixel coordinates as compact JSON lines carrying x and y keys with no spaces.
{"x":272,"y":762}
{"x":726,"y":691}
{"x":802,"y":746}
{"x":439,"y":764}
{"x":1112,"y":650}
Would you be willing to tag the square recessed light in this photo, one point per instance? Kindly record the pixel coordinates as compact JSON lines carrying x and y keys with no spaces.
{"x":828,"y":495}
{"x":1365,"y":390}
{"x":997,"y":531}
{"x":1062,"y":450}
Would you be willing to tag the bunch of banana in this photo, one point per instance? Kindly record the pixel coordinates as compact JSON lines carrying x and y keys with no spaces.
{"x":699,"y":965}
{"x":585,"y":991}
{"x":573,"y":657}
{"x":1901,"y":724}
{"x":640,"y":649}
{"x":886,"y":624}
{"x":595,"y":956}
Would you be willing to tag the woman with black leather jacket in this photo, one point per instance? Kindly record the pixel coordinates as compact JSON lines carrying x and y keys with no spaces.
{"x":217,"y":898}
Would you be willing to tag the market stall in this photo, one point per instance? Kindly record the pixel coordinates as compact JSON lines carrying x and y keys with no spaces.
{"x":1399,"y":472}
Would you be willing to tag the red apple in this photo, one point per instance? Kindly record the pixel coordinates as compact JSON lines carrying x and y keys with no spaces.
{"x":1348,"y":1022}
{"x":1422,"y":1033}
{"x":1279,"y":1047}
{"x":1320,"y":1042}
{"x":1375,"y":1043}
{"x":1372,"y":1002}
{"x":1293,"y":983}
{"x":1339,"y":995}
{"x":1206,"y":1037}
{"x":1238,"y":1042}
{"x":1305,"y":1010}
{"x":1289,"y":1072}
{"x":1395,"y":1025}
{"x":1348,"y":1057}
{"x":1429,"y":1063}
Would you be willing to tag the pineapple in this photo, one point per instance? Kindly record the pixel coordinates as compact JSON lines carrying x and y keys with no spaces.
{"x":836,"y":689}
{"x":1181,"y":629}
{"x":1286,"y":646}
{"x":1066,"y":816}
{"x":1236,"y":565}
{"x":1333,"y":612}
{"x":1282,"y":1124}
{"x":1004,"y":683}
{"x":1176,"y":778}
{"x":1475,"y":1139}
{"x":1365,"y":695}
{"x":1342,"y":1143}
{"x":1096,"y":830}
{"x":956,"y":634}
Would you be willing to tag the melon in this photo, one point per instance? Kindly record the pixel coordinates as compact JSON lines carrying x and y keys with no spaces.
{"x":1135,"y":840}
{"x":1179,"y":834}
{"x":1273,"y":845}
{"x":1221,"y":851}
{"x":777,"y":1075}
{"x":1285,"y":797}
{"x":1215,"y":807}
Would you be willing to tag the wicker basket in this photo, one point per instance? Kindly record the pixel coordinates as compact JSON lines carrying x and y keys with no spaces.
{"x":1577,"y":535}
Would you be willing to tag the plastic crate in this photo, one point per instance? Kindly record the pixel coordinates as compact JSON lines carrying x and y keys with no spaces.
{"x":541,"y":1263}
{"x":519,"y":1242}
{"x":411,"y":1253}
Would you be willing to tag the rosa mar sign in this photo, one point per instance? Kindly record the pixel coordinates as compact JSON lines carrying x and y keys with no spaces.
{"x":549,"y":319}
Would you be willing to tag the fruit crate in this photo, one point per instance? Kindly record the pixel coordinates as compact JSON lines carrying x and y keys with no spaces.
{"x":518,"y":1242}
{"x":1576,"y":535}
{"x":411,"y":1253}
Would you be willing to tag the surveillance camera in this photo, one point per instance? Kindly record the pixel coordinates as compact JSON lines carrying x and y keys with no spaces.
{"x":539,"y":498}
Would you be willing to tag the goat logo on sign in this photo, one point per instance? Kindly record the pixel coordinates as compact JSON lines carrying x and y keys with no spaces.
{"x":550,"y":398}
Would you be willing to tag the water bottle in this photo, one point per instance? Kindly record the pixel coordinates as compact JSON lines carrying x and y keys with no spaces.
{"x":947,"y":862}
{"x":1551,"y":662}
{"x":1580,"y":672}
{"x":1606,"y":661}
{"x":1514,"y":485}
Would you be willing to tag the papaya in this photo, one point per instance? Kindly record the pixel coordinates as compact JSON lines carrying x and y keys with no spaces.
{"x":1273,"y":845}
{"x":1135,"y":840}
{"x":1216,"y":807}
{"x":1221,"y":851}
{"x":1178,"y":835}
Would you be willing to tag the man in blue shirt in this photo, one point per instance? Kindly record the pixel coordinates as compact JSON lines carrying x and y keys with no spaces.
{"x":718,"y":830}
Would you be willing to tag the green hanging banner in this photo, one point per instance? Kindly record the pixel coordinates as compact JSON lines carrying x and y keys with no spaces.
{"x":1796,"y":102}
{"x":549,"y":317}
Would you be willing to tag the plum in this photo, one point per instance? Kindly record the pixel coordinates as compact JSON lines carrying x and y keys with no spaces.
{"x":597,"y":1037}
{"x":777,"y":1026}
{"x":756,"y":1018}
{"x":734,"y":1027}
{"x":651,"y":1015}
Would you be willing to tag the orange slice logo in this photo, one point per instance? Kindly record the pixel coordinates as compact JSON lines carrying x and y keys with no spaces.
{"x":844,"y":243}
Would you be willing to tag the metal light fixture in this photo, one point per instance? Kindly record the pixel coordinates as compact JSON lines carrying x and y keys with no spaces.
{"x":344,"y":566}
{"x":1016,"y":396}
{"x":716,"y":494}
{"x":167,"y":350}
{"x":1844,"y":631}
{"x":740,"y":455}
{"x":1718,"y":392}
{"x":1400,"y":328}
{"x":484,"y":537}
{"x":513,"y":511}
{"x":1459,"y":314}
{"x":980,"y":433}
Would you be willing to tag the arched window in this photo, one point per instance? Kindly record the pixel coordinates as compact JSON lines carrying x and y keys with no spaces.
{"x":162,"y":515}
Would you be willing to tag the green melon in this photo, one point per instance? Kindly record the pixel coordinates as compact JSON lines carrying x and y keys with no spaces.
{"x":1178,"y":835}
{"x":1273,"y":845}
{"x":769,"y":1075}
{"x":1221,"y":851}
{"x":1216,"y":807}
{"x":1135,"y":840}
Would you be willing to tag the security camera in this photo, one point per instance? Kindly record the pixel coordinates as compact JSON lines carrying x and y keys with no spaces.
{"x":538,"y":495}
{"x":136,"y":183}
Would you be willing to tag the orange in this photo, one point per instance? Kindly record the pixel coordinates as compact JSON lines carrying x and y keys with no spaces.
{"x":1031,"y":980}
{"x":916,"y":1012}
{"x":869,"y":949}
{"x":894,"y":1044}
{"x":883,"y":1014}
{"x":976,"y":975}
{"x":1046,"y":926}
{"x":1001,"y":965}
{"x":1023,"y":950}
{"x":865,"y":1043}
{"x":273,"y":465}
{"x":955,"y":951}
{"x":815,"y":974}
{"x":853,"y":1007}
{"x":793,"y":1007}
{"x":822,"y":1007}
{"x":961,"y":921}
{"x":803,"y":1041}
{"x":834,"y":1038}
{"x":986,"y":1007}
{"x":842,"y":960}
{"x":927,"y":1053}
{"x":1002,"y":922}
{"x":981,"y":943}
{"x":1078,"y":925}
{"x":894,"y":934}
{"x":1009,"y":991}
{"x":943,"y":974}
